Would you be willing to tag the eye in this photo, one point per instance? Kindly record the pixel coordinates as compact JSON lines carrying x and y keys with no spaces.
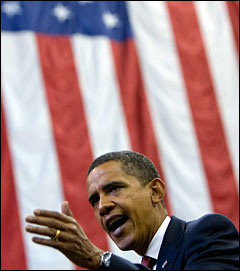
{"x":94,"y":201}
{"x":115,"y":188}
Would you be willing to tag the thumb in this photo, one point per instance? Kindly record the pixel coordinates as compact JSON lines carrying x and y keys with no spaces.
{"x":66,"y":209}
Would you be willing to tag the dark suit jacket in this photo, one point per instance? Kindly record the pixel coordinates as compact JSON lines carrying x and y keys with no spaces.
{"x":208,"y":243}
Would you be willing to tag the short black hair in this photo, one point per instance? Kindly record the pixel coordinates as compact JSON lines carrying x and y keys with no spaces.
{"x":133,"y":163}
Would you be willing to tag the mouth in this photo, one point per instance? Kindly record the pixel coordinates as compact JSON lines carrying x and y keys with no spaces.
{"x":114,"y":225}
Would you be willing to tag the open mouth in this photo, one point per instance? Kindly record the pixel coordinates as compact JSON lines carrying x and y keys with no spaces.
{"x":116,"y":223}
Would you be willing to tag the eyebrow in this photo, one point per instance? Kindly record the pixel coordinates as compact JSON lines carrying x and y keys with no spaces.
{"x":105,"y":188}
{"x":112,"y":183}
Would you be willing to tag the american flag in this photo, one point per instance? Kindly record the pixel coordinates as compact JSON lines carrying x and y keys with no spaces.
{"x":82,"y":78}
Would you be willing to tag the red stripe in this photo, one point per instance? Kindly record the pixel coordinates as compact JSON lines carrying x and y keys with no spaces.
{"x":70,"y":129}
{"x":233,"y":9}
{"x":12,"y":249}
{"x":205,"y":112}
{"x":135,"y":103}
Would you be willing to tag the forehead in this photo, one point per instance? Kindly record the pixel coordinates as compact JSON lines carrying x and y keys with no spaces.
{"x":105,"y":173}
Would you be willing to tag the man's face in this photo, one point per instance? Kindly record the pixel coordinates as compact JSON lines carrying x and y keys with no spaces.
{"x":122,"y":205}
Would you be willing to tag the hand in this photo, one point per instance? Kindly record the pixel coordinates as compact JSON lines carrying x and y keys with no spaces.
{"x":72,"y":241}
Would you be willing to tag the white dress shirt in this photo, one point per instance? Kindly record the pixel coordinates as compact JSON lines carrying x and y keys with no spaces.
{"x":154,"y":247}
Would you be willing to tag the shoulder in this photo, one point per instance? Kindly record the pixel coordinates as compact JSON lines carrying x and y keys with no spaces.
{"x":214,"y":217}
{"x":214,"y":222}
{"x":210,"y":239}
{"x":210,"y":233}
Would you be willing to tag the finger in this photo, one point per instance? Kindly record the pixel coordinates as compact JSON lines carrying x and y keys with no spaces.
{"x":54,"y":223}
{"x":66,"y":209}
{"x":48,"y":242}
{"x":53,"y":214}
{"x":49,"y":222}
{"x":50,"y":232}
{"x":65,"y":247}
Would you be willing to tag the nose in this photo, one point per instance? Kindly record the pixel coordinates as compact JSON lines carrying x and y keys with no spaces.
{"x":105,"y":205}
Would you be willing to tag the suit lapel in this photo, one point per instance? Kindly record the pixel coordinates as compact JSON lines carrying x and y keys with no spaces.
{"x":171,"y":240}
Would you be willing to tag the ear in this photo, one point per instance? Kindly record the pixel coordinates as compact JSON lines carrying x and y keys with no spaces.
{"x":158,"y":190}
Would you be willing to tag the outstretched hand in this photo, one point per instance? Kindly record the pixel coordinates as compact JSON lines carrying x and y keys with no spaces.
{"x":72,"y":241}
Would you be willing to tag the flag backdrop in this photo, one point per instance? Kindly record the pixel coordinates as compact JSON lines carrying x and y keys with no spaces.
{"x":82,"y":78}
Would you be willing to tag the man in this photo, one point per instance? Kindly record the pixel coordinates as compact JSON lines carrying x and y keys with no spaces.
{"x":126,"y":193}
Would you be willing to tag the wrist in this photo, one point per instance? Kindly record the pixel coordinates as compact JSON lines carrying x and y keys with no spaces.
{"x":95,"y":264}
{"x":105,"y":260}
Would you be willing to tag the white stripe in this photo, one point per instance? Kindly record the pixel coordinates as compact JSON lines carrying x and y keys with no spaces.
{"x":104,"y":112}
{"x":35,"y":166}
{"x":103,"y":106}
{"x":223,"y":61}
{"x":186,"y":182}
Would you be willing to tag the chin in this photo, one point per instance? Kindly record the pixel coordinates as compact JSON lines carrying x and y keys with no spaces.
{"x":124,"y":244}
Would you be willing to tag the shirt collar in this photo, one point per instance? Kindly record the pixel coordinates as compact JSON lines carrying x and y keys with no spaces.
{"x":156,"y":242}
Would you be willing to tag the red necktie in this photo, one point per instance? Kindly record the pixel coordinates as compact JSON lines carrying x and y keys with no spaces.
{"x":148,"y":262}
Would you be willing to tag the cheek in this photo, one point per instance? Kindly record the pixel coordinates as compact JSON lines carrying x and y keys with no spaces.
{"x":100,"y":221}
{"x":142,"y":210}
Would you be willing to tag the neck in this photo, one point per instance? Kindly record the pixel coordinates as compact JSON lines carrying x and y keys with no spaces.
{"x":156,"y":222}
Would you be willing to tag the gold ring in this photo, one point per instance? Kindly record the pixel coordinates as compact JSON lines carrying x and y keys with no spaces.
{"x":57,"y":235}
